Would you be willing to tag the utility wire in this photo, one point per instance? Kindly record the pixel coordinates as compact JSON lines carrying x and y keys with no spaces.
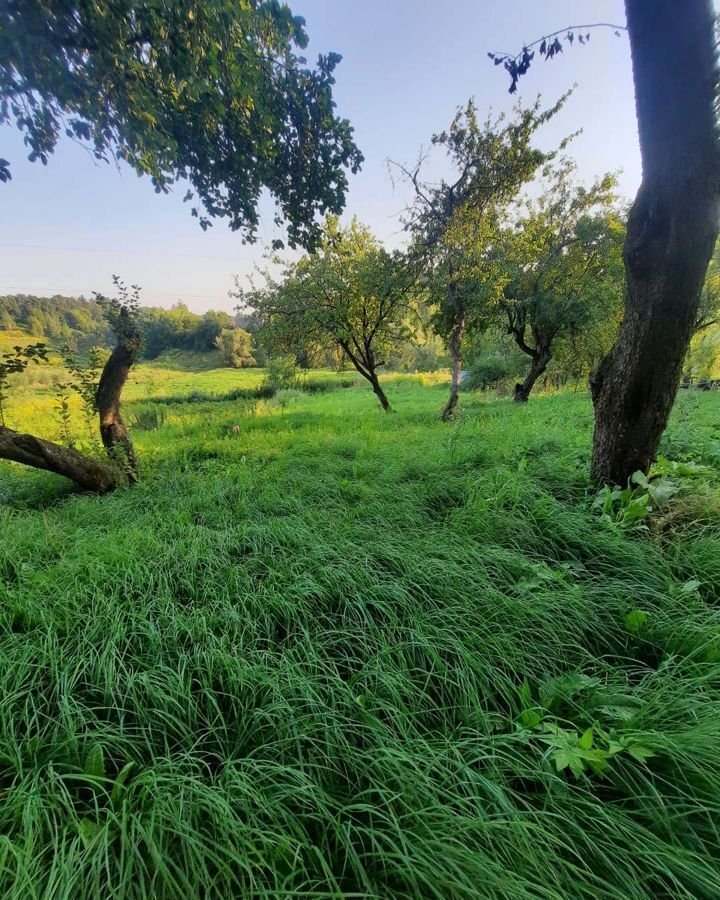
{"x":72,"y":292}
{"x":189,"y":256}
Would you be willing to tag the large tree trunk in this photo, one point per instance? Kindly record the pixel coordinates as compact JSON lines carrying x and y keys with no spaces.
{"x":456,"y":338}
{"x":539,"y":364}
{"x":672,"y":229}
{"x":87,"y":473}
{"x":113,"y":432}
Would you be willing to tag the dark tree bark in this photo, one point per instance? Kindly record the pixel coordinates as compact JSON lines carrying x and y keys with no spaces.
{"x":113,"y":431}
{"x":456,"y":339}
{"x":379,"y":392}
{"x":539,"y":363}
{"x":87,"y":473}
{"x":363,"y":358}
{"x":671,"y":232}
{"x":540,"y":351}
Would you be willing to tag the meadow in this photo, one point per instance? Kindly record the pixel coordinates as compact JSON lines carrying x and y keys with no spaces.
{"x":323,"y":651}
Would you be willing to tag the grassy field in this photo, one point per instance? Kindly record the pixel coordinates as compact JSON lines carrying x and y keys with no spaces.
{"x":320,"y":651}
{"x":32,"y":403}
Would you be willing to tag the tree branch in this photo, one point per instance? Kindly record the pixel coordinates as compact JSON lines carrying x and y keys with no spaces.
{"x":89,"y":474}
{"x":547,"y":37}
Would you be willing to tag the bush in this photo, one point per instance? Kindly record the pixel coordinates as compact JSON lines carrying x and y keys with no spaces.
{"x":148,"y":418}
{"x":321,"y":387}
{"x":235,"y":346}
{"x":429,"y":358}
{"x":488,"y":369}
{"x":263,"y":392}
{"x":280,"y":373}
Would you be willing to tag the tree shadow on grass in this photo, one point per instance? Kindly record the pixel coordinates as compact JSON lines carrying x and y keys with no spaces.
{"x":25,"y":489}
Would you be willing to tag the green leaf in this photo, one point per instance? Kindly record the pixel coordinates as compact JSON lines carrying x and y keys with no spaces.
{"x":585,"y":742}
{"x":599,"y":765}
{"x":530,"y":718}
{"x":637,"y":509}
{"x":640,"y":752}
{"x":662,"y":490}
{"x":690,"y":587}
{"x":88,"y":830}
{"x":95,"y":762}
{"x":531,"y":714}
{"x":635,"y":620}
{"x":118,"y":787}
{"x":561,"y":759}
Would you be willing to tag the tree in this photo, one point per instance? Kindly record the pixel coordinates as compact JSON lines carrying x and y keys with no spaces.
{"x":450,"y":220}
{"x":559,"y":268}
{"x":210,"y":93}
{"x":701,"y":362}
{"x":209,"y":329}
{"x":351,"y":294}
{"x":85,"y":471}
{"x":671,"y":231}
{"x":235,"y":345}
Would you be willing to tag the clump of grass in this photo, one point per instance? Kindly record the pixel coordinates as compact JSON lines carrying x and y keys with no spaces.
{"x":148,"y":418}
{"x":255,"y":393}
{"x":353,"y":655}
{"x":261,"y":392}
{"x":321,"y":387}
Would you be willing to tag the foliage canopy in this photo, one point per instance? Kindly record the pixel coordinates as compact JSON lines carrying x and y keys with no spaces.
{"x":207,"y":92}
{"x":351,"y":294}
{"x":559,"y":270}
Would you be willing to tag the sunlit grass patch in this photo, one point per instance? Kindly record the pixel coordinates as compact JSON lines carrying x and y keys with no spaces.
{"x":323,"y":651}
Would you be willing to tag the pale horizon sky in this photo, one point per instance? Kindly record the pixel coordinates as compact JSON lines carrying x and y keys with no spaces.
{"x":407,"y":65}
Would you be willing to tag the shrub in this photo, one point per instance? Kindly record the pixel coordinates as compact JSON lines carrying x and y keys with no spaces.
{"x":280,"y":373}
{"x":235,"y":345}
{"x":148,"y":418}
{"x":487,"y":369}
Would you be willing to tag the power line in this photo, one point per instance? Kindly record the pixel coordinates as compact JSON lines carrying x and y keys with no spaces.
{"x":125,"y":252}
{"x":178,"y":295}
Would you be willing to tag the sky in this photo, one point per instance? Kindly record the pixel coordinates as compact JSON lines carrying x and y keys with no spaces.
{"x":67,"y":227}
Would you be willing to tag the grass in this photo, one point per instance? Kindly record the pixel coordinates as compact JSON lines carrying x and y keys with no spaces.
{"x":174,"y":378}
{"x":324,"y":652}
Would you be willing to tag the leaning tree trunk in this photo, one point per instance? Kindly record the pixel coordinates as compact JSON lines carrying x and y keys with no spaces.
{"x":366,"y":364}
{"x":378,"y":391}
{"x":113,"y":431}
{"x":539,"y":364}
{"x":87,"y":473}
{"x":456,"y":338}
{"x":671,"y":232}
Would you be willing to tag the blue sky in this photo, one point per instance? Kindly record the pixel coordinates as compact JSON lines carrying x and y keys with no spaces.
{"x":407,"y":65}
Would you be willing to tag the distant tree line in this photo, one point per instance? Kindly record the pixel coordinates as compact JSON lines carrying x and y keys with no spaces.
{"x":79,"y":324}
{"x":74,"y":321}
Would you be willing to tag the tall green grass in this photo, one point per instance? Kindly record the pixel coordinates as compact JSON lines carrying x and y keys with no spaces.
{"x":320,"y":651}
